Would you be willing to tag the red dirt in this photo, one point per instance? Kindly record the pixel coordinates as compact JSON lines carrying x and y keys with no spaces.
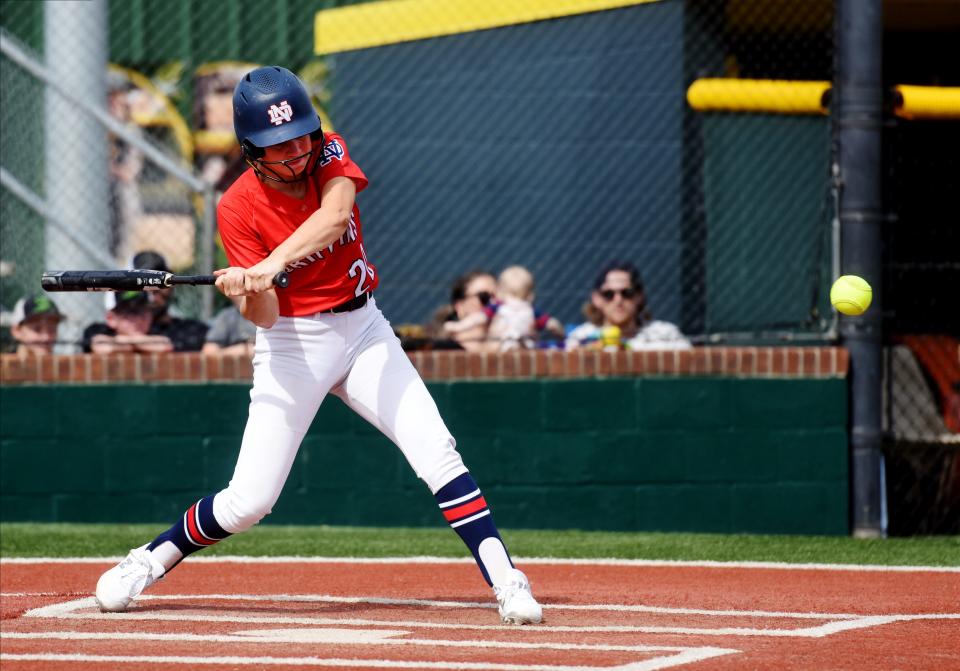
{"x":908,"y":645}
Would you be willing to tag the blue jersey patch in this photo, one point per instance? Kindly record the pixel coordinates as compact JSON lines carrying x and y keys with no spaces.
{"x":333,"y":150}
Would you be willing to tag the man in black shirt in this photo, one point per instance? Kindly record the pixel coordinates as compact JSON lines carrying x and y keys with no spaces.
{"x":126,"y":328}
{"x":187,"y":335}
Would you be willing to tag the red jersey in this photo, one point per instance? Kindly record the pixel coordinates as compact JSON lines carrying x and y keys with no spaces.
{"x":254,"y":219}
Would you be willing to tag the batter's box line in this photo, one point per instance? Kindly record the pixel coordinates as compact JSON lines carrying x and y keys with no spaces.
{"x":345,"y":637}
{"x":659,"y":656}
{"x":433,"y":603}
{"x":838,"y":622}
{"x":688,"y":657}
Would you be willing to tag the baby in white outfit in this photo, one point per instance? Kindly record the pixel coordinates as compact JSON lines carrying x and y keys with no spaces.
{"x":513,"y":324}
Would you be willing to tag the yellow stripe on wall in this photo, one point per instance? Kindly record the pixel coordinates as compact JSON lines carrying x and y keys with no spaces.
{"x":376,"y":24}
{"x":758,"y":95}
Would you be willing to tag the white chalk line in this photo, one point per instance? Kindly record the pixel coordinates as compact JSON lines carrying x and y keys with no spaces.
{"x":687,"y":657}
{"x":431,"y":603}
{"x":665,"y":656}
{"x":353,"y":637}
{"x":359,"y":622}
{"x":54,"y":609}
{"x":237,"y":559}
{"x":837,"y":623}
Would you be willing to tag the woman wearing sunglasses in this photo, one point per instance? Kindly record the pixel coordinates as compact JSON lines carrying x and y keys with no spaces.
{"x":470,"y":295}
{"x":618,"y":303}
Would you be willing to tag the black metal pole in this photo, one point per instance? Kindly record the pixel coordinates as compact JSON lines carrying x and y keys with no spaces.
{"x":858,"y":115}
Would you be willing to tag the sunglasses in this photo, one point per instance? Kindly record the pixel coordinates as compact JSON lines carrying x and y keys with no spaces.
{"x":609,"y":294}
{"x":483,"y":296}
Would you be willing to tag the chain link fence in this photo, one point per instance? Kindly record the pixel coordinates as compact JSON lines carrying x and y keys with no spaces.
{"x":558,"y":141}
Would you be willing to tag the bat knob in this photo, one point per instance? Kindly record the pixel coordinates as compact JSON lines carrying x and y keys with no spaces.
{"x":48,"y":282}
{"x":282,"y":280}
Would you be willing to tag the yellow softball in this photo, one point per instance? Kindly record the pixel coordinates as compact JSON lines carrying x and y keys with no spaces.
{"x":851,"y":295}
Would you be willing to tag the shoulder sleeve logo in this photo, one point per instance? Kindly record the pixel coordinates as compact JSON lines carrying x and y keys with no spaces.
{"x":332,"y":150}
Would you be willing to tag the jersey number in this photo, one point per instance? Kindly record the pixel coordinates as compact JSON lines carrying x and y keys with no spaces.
{"x":359,"y":269}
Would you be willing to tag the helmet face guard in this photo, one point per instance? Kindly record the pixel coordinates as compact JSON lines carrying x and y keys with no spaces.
{"x":271,"y":106}
{"x":275,"y":170}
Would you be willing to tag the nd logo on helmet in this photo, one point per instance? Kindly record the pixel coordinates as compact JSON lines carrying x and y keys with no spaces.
{"x":280,"y":114}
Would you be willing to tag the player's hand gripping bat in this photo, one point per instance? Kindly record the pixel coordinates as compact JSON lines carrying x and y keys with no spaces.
{"x":128,"y":280}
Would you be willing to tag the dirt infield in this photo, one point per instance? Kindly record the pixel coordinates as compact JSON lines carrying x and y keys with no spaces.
{"x":294,"y":614}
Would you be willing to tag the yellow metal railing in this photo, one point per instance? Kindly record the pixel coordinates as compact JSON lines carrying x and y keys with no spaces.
{"x":770,"y":96}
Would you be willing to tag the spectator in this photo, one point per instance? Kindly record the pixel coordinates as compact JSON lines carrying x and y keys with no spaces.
{"x":510,"y":312}
{"x":127,"y":328}
{"x":511,"y":319}
{"x":187,"y":335}
{"x":512,"y":322}
{"x":470,"y":294}
{"x":618,"y":303}
{"x":35,"y":323}
{"x":230,"y":334}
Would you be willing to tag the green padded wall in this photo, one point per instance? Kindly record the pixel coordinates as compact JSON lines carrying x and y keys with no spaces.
{"x":691,"y":454}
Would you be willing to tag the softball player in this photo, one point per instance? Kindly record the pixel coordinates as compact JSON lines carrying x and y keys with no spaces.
{"x":294,"y":210}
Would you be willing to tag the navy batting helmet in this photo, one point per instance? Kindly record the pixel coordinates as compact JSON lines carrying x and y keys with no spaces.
{"x":271,"y":105}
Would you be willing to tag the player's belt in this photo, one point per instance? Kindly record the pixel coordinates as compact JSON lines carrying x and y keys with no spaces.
{"x":350,"y":305}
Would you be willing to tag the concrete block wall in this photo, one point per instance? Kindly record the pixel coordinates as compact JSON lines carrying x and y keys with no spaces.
{"x":700,"y":452}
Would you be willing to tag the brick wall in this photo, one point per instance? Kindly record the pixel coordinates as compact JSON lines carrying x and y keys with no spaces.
{"x":802,"y":362}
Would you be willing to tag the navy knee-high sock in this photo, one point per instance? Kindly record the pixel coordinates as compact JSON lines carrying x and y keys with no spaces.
{"x":197,"y":529}
{"x":465,"y":509}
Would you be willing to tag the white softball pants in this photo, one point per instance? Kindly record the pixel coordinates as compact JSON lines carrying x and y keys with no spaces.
{"x":354,"y":355}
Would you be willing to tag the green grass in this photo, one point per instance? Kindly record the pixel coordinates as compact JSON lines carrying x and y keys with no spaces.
{"x":92,"y":540}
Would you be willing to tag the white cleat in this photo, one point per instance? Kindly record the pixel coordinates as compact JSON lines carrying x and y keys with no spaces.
{"x":517,"y":605}
{"x":125,"y":581}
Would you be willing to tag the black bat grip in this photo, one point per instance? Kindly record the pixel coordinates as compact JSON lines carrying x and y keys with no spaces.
{"x":281,"y":279}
